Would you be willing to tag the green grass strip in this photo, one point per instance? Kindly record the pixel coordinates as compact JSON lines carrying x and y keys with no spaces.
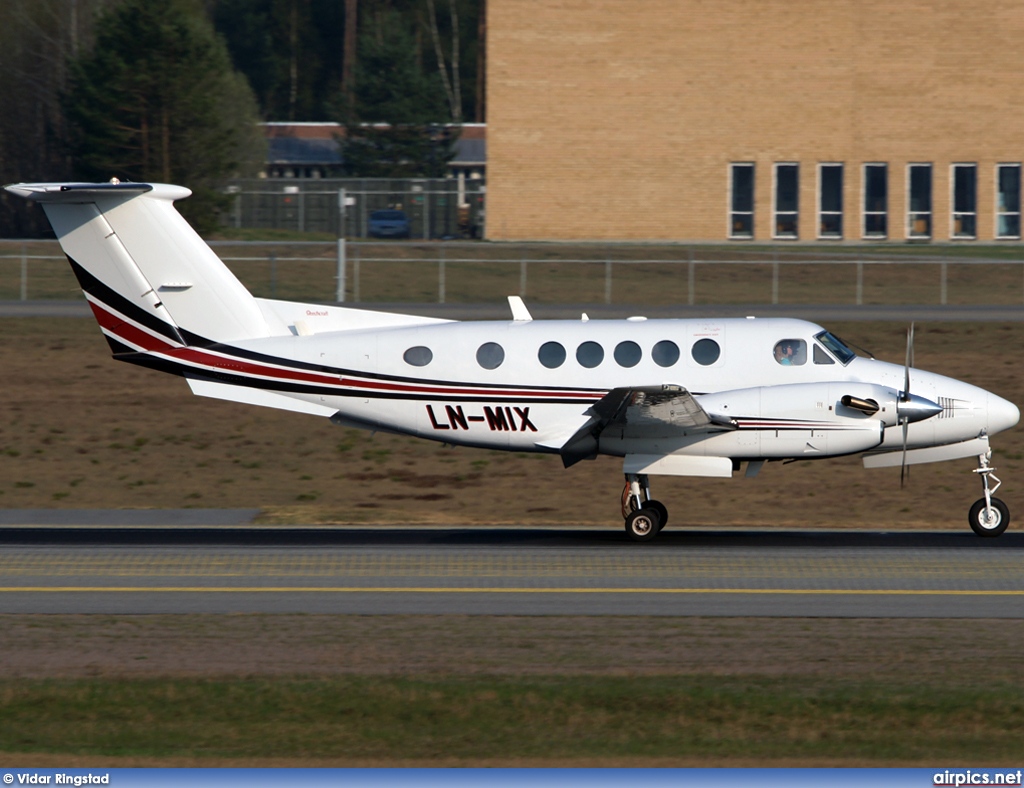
{"x":511,"y":717}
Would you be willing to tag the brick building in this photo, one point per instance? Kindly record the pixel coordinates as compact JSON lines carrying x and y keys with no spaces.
{"x":709,"y":120}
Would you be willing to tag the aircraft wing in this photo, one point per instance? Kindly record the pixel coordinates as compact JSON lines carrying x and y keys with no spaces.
{"x":645,"y":411}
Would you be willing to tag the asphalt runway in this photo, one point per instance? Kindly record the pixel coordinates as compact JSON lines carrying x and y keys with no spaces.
{"x":138,"y":568}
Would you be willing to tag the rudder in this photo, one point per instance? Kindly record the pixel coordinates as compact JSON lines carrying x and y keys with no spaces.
{"x":134,"y":254}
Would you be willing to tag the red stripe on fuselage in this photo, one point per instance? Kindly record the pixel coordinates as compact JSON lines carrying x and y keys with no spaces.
{"x":152,"y":344}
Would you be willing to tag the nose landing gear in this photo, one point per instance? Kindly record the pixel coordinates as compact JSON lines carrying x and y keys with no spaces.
{"x":989,"y":516}
{"x":643,"y":515}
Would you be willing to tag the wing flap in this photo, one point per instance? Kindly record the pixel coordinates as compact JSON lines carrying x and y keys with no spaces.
{"x":642,"y":411}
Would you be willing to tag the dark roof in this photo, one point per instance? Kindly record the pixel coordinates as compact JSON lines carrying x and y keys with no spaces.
{"x":290,"y":150}
{"x":306,"y":144}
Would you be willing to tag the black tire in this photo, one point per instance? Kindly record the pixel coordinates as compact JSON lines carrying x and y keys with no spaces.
{"x":642,"y":525}
{"x":999,"y":522}
{"x":660,"y":508}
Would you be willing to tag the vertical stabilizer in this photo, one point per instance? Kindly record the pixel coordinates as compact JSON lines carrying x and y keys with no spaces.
{"x":136,"y":256}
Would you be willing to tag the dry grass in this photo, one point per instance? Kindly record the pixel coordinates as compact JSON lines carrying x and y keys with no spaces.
{"x":198,"y":646}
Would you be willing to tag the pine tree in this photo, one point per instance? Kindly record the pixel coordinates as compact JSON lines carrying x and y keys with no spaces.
{"x":395,"y":126}
{"x":157,"y":99}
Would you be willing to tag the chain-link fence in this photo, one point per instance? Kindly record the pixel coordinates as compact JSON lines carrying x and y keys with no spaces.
{"x":434,"y":208}
{"x":656,"y":275}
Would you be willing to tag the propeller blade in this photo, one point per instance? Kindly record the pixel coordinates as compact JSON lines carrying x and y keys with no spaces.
{"x":909,"y":363}
{"x":904,"y":470}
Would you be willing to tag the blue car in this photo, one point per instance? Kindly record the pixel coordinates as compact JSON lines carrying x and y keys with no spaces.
{"x":389,"y":224}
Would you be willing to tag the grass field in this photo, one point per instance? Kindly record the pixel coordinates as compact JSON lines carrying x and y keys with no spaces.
{"x":516,"y":719}
{"x":457,"y":690}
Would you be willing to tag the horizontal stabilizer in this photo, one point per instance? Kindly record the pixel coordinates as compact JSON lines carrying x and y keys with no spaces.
{"x":253,"y":396}
{"x":81,"y":192}
{"x":953,"y":451}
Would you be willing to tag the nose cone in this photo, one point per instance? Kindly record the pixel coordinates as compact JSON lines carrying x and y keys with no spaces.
{"x":1002,"y":414}
{"x":914,"y":408}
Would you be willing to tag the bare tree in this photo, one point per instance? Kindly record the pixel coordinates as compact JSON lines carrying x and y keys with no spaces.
{"x":452,"y":85}
{"x":349,"y":48}
{"x":37,"y":40}
{"x":481,"y":64}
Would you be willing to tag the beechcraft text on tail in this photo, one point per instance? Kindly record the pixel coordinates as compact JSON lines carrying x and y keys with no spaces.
{"x":671,"y":397}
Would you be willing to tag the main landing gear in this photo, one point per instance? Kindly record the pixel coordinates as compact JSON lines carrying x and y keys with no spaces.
{"x":644,"y":516}
{"x":989,"y":516}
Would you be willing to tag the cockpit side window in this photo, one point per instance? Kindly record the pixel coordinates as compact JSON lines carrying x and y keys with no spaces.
{"x":835,"y":346}
{"x":791,"y":352}
{"x":821,"y":357}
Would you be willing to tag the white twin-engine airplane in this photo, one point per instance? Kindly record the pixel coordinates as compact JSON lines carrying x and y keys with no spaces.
{"x":671,"y":397}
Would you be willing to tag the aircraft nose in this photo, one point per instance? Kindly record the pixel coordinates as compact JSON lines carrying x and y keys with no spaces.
{"x":1002,"y":414}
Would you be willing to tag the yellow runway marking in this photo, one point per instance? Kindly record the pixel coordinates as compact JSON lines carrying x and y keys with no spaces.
{"x":869,"y":569}
{"x":429,"y":590}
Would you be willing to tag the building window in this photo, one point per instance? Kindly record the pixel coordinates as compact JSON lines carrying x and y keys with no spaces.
{"x":741,"y":201}
{"x":876,"y":200}
{"x":830,"y":201}
{"x":919,"y":193}
{"x":787,"y":196}
{"x":965,"y":201}
{"x":1008,"y":201}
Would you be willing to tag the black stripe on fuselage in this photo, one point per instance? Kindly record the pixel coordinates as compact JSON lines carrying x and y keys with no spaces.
{"x":284,"y":387}
{"x":114,"y":300}
{"x":110,"y":298}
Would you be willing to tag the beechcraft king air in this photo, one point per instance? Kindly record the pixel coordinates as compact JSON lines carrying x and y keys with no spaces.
{"x":671,"y":397}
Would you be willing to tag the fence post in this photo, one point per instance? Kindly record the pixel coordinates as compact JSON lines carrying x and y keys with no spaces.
{"x":426,"y":217}
{"x":355,"y":276}
{"x":608,"y":280}
{"x":775,"y":276}
{"x":690,"y":278}
{"x":522,"y":277}
{"x":339,"y":295}
{"x":942,"y":282}
{"x":860,"y":283}
{"x":273,"y":275}
{"x":24,"y":273}
{"x":440,"y":274}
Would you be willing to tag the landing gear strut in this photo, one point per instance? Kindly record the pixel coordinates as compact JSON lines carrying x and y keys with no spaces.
{"x":643,"y":515}
{"x":989,"y":516}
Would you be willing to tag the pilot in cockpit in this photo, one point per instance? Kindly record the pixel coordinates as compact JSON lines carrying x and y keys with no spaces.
{"x":790,"y":352}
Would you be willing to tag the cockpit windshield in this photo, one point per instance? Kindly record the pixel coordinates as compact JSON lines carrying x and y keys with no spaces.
{"x":836,"y":347}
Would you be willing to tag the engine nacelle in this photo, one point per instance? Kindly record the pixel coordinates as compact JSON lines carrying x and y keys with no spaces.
{"x":803,"y":419}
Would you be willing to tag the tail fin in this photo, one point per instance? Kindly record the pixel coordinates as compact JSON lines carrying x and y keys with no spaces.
{"x":139,"y":261}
